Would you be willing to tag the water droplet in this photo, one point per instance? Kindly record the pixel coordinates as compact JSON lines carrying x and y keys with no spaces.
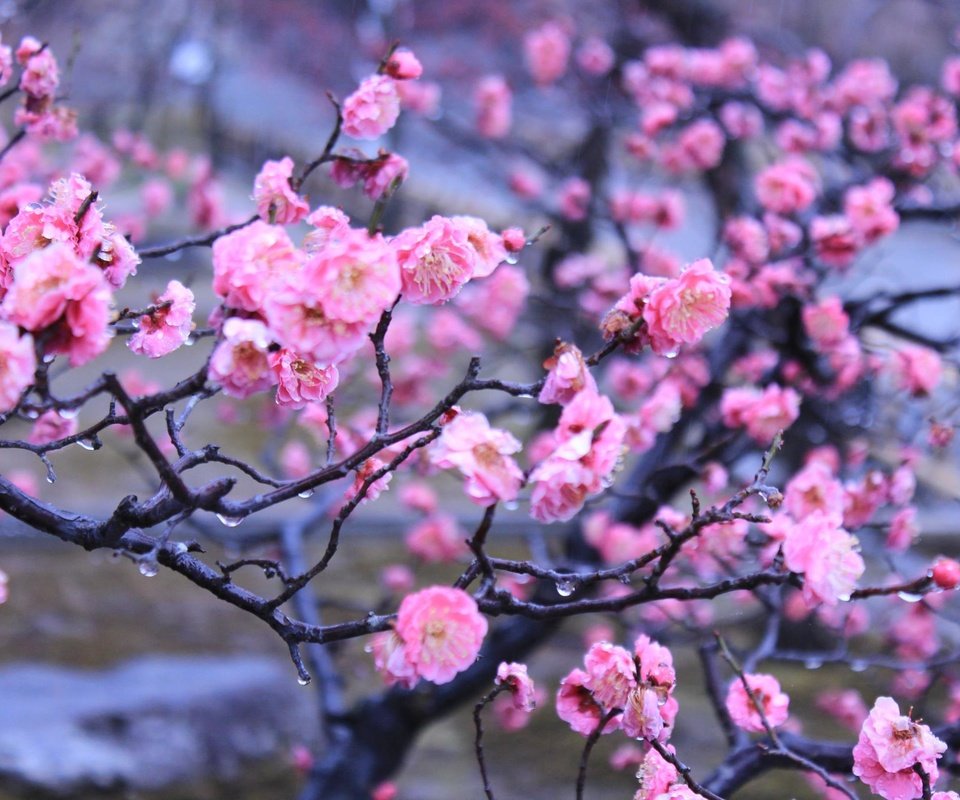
{"x":190,"y":341}
{"x":671,"y":354}
{"x":230,"y":522}
{"x":511,"y":505}
{"x":148,"y":568}
{"x":624,"y":579}
{"x":51,"y":478}
{"x":180,"y":548}
{"x":858,"y":666}
{"x":306,"y":494}
{"x":304,"y":680}
{"x":31,"y":413}
{"x":908,"y":597}
{"x":68,"y":413}
{"x":565,"y":587}
{"x":511,"y":258}
{"x":813,"y":663}
{"x":368,"y":648}
{"x":844,"y":598}
{"x":86,"y":444}
{"x":48,"y":358}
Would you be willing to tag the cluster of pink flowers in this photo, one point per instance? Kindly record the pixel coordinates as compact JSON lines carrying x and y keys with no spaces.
{"x":762,"y":412}
{"x":521,"y":688}
{"x":889,"y":747}
{"x":494,"y":106}
{"x":437,"y":634}
{"x":165,"y":329}
{"x":483,"y":456}
{"x":675,"y":311}
{"x":660,"y":780}
{"x":818,"y":547}
{"x":374,"y":107}
{"x":584,"y":452}
{"x":276,"y":200}
{"x":639,"y":684}
{"x":767,"y":700}
{"x":17,"y":365}
{"x":39,"y":80}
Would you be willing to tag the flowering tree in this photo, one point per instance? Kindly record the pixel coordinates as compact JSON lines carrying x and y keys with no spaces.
{"x":704,"y":458}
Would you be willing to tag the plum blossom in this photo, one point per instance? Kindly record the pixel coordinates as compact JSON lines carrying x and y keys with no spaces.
{"x":743,"y":709}
{"x":299,"y":380}
{"x":436,"y":260}
{"x":437,"y":634}
{"x":17,"y":364}
{"x":568,"y":375}
{"x":372,"y":109}
{"x":547,"y":51}
{"x":483,"y":456}
{"x":587,"y":446}
{"x":521,"y":686}
{"x":763,"y":412}
{"x":437,"y":539}
{"x":493,"y":101}
{"x":827,"y":556}
{"x":276,"y":200}
{"x":787,"y":186}
{"x":168,"y":327}
{"x":247,"y":262}
{"x":240,"y":363}
{"x":889,"y":747}
{"x":681,"y":311}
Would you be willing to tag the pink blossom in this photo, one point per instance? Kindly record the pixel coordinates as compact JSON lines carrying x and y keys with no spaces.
{"x":380,"y":177}
{"x":522,"y":689}
{"x":787,"y":186}
{"x":702,"y":143}
{"x":827,"y":556}
{"x":747,"y":239}
{"x":595,"y":56}
{"x":889,"y":746}
{"x":436,"y":260}
{"x":681,"y":311}
{"x":17,"y":365}
{"x":328,"y":223}
{"x":612,"y":674}
{"x":903,"y":530}
{"x":656,"y":776}
{"x":573,"y":198}
{"x":277,"y":202}
{"x":437,"y":539}
{"x":156,"y":196}
{"x":372,"y":109}
{"x":762,"y":412}
{"x":835,"y":241}
{"x":844,"y":705}
{"x":364,"y":481}
{"x":741,"y":121}
{"x":300,"y":381}
{"x":390,"y":660}
{"x":51,"y":426}
{"x":495,"y":304}
{"x":403,"y":65}
{"x":487,"y":246}
{"x":247,"y":262}
{"x":240,"y":362}
{"x":568,"y":375}
{"x":397,"y":578}
{"x":441,"y":630}
{"x":577,"y":707}
{"x":743,"y":709}
{"x":870,"y":209}
{"x":53,"y":286}
{"x":826,"y":323}
{"x":41,"y":75}
{"x":813,"y":489}
{"x":168,"y":327}
{"x":514,"y":240}
{"x":916,"y":368}
{"x":419,"y":496}
{"x":482,"y":454}
{"x":420,"y":97}
{"x":863,"y":82}
{"x":355,"y":275}
{"x":546,"y":51}
{"x":493,"y":102}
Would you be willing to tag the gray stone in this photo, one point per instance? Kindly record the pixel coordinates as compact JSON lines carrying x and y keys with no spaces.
{"x":147,"y":723}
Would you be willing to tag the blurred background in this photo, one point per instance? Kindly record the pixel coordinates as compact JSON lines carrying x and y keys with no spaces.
{"x":117,"y":685}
